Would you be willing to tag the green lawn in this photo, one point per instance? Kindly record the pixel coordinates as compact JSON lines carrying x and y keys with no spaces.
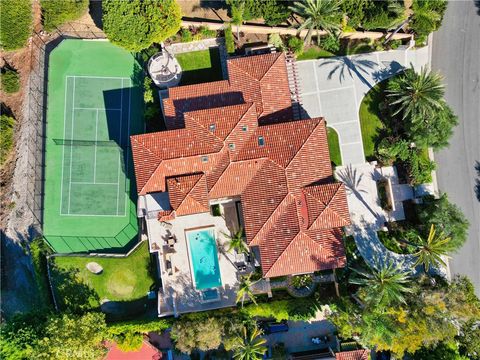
{"x":370,"y":122}
{"x":200,"y":66}
{"x":334,"y":146}
{"x":314,"y":52}
{"x":122,"y":278}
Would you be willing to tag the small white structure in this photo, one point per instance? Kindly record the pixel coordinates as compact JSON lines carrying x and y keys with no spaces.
{"x":94,"y":267}
{"x":164,"y":69}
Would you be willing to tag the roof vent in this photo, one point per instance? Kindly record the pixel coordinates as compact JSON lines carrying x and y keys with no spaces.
{"x":245,"y":128}
{"x":261,"y":141}
{"x":212,"y":127}
{"x":231,"y":146}
{"x":204,"y":159}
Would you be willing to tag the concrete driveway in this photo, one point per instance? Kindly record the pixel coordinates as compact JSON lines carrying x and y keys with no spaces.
{"x":334,"y":88}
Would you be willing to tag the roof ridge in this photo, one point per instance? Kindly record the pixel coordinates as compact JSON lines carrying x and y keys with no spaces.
{"x":241,"y":117}
{"x":134,"y":138}
{"x":270,"y":68}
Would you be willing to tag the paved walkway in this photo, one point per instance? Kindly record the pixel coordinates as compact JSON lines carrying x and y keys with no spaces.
{"x":334,"y":88}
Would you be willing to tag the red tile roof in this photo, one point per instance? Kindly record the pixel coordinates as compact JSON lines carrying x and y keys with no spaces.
{"x":236,"y":138}
{"x":147,"y":351}
{"x":353,"y":355}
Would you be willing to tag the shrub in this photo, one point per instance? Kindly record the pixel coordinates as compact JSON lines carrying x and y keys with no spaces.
{"x":10,"y":81}
{"x":291,"y":309}
{"x":295,"y":44}
{"x":39,"y":251}
{"x":420,"y":167}
{"x":6,"y":136}
{"x":273,"y":12}
{"x":136,"y":24}
{"x":57,"y":12}
{"x":301,"y":281}
{"x":447,"y":218}
{"x":331,"y":43}
{"x":186,"y":35}
{"x":229,"y":42}
{"x":427,"y":16}
{"x":15,"y":24}
{"x":148,"y":90}
{"x":276,"y":41}
{"x":206,"y":32}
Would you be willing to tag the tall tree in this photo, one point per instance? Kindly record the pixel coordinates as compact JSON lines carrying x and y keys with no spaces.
{"x":245,"y":290}
{"x":431,"y":250}
{"x":427,"y":120}
{"x":237,"y":9}
{"x":384,"y":286}
{"x":427,"y":16}
{"x":197,"y":333}
{"x":137,"y":24}
{"x":318,"y":15}
{"x":236,"y":242}
{"x":251,"y":346}
{"x":416,"y":95}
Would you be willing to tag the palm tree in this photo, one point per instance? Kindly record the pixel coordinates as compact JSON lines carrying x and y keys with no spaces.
{"x":245,"y":290}
{"x":431,"y":250}
{"x":318,"y":15}
{"x":383,"y":286}
{"x":416,"y":95}
{"x":236,"y":242}
{"x":251,"y":346}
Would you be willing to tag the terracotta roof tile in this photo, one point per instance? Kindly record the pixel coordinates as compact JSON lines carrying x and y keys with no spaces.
{"x":236,"y":138}
{"x":353,"y":355}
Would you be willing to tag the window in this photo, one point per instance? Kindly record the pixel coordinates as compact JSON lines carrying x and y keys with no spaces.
{"x":261,"y":141}
{"x":212,"y":127}
{"x":204,"y":159}
{"x":231,"y":146}
{"x":245,"y":128}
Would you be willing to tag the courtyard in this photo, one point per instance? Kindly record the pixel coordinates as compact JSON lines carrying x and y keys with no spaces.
{"x":195,"y":276}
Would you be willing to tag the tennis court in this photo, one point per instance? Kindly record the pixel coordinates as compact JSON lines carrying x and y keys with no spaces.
{"x":93,"y":180}
{"x":94,"y":105}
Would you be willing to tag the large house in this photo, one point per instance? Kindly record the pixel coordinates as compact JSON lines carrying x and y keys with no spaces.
{"x":233,"y":158}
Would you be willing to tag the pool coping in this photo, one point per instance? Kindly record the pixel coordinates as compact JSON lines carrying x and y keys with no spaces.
{"x":190,"y":261}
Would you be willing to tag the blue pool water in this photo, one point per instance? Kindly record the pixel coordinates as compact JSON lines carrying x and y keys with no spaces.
{"x":204,"y":255}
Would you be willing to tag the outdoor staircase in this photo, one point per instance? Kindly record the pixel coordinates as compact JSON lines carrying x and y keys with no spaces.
{"x":293,"y":83}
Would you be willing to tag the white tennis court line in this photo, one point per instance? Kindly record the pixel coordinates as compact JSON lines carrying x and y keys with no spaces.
{"x":120,"y":141}
{"x":64,"y":136}
{"x":71,"y":150}
{"x":96,"y":77}
{"x":90,"y":183}
{"x":95,"y":152}
{"x":93,"y":109}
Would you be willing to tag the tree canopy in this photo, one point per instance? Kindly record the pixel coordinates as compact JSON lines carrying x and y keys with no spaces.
{"x":16,"y":23}
{"x":135,"y":24}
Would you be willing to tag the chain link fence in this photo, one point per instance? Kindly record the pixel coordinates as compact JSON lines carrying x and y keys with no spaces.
{"x":41,"y":44}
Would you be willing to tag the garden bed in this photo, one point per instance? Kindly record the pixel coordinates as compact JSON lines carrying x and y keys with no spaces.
{"x":334,"y":147}
{"x":370,"y":122}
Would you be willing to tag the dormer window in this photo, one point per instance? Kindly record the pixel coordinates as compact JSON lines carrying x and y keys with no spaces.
{"x":212,"y":127}
{"x":261,"y":141}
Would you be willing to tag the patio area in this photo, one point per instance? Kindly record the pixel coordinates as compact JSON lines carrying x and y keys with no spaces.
{"x":169,"y":241}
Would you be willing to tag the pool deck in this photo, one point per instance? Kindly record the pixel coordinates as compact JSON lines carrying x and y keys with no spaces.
{"x":178,"y":294}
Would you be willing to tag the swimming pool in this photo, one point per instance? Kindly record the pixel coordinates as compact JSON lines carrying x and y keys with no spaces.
{"x":204,"y":256}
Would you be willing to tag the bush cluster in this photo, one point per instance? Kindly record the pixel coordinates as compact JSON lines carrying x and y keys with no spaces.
{"x":195,"y":34}
{"x":291,"y":309}
{"x":58,"y":12}
{"x":15,"y":24}
{"x":273,"y":12}
{"x":10,"y":81}
{"x":6,"y":136}
{"x":229,"y":41}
